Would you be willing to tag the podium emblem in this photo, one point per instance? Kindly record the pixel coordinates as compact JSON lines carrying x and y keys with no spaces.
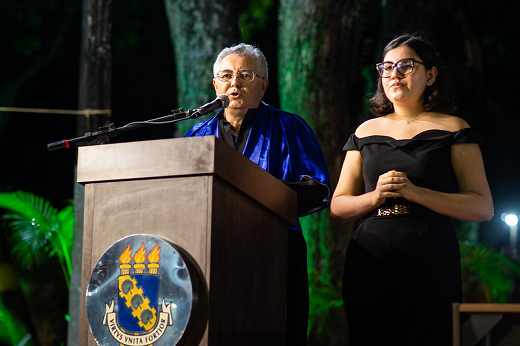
{"x":139,"y":294}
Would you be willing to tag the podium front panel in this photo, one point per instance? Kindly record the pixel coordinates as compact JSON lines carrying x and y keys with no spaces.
{"x":239,"y":244}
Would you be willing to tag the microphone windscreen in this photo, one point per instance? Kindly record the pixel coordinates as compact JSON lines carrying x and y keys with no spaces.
{"x":224,"y":99}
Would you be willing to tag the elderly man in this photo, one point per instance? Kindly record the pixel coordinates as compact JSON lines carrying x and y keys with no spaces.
{"x":280,"y":143}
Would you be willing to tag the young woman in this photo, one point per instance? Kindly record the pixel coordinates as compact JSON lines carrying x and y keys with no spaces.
{"x":406,"y":173}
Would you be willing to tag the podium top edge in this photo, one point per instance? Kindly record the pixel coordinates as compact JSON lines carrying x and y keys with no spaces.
{"x":146,"y":159}
{"x":182,"y":157}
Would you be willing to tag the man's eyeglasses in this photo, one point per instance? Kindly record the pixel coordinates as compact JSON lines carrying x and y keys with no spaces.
{"x":244,"y":75}
{"x":404,"y":66}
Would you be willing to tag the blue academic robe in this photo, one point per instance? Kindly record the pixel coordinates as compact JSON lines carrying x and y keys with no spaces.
{"x":282,"y":144}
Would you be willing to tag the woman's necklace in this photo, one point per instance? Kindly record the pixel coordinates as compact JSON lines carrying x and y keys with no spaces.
{"x":409,"y":121}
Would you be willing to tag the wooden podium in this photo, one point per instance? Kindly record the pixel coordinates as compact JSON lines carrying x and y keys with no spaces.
{"x":228,"y":215}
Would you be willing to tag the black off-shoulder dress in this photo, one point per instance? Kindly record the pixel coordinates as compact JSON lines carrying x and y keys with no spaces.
{"x":402,"y":268}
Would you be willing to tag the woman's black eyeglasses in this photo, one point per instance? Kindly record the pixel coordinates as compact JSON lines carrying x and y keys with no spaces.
{"x":404,"y":66}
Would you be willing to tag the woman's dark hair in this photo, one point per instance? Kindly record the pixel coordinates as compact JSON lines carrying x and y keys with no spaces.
{"x":437,"y":98}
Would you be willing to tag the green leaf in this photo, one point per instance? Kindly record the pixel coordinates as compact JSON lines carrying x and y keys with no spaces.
{"x":489,"y":271}
{"x":13,"y":328}
{"x":36,"y":230}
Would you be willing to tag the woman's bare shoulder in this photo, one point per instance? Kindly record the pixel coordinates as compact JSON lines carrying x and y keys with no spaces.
{"x":448,"y":122}
{"x":369,"y":127}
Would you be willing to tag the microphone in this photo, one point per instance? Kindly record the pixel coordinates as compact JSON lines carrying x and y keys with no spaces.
{"x":222,"y":101}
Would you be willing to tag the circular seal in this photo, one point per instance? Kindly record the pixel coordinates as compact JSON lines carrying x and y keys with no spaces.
{"x":140,"y":293}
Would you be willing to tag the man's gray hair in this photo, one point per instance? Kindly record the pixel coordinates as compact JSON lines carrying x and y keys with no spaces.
{"x":244,"y":50}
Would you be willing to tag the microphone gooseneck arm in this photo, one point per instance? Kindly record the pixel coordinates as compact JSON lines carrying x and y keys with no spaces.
{"x":111,"y":131}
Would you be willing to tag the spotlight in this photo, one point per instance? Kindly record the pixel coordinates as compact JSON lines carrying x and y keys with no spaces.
{"x":511,"y":219}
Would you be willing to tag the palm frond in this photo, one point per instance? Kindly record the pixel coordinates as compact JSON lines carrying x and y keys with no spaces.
{"x":492,"y":271}
{"x":13,"y":328}
{"x":62,"y":239}
{"x":37,"y":230}
{"x":66,"y":220}
{"x":27,"y":240}
{"x":29,"y":205}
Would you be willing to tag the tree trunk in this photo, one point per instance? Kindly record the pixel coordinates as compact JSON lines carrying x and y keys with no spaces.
{"x":199,"y":30}
{"x":319,"y":54}
{"x":94,"y":92}
{"x":95,"y":64}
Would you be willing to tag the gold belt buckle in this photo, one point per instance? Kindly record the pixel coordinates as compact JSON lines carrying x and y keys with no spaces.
{"x":397,"y":209}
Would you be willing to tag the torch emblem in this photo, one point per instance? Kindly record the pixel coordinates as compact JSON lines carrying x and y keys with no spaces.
{"x":140,"y":293}
{"x":138,"y":300}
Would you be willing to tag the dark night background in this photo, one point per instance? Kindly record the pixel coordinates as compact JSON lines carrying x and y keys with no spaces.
{"x":144,"y":87}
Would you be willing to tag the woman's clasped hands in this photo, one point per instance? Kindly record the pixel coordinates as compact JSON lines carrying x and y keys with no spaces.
{"x":391,"y":184}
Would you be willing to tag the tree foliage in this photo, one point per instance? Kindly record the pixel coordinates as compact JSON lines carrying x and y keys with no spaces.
{"x":37,"y":230}
{"x":324,"y":53}
{"x":12,"y":330}
{"x":488,"y":276}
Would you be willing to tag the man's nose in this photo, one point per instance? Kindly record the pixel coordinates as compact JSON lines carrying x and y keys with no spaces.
{"x":235,"y":81}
